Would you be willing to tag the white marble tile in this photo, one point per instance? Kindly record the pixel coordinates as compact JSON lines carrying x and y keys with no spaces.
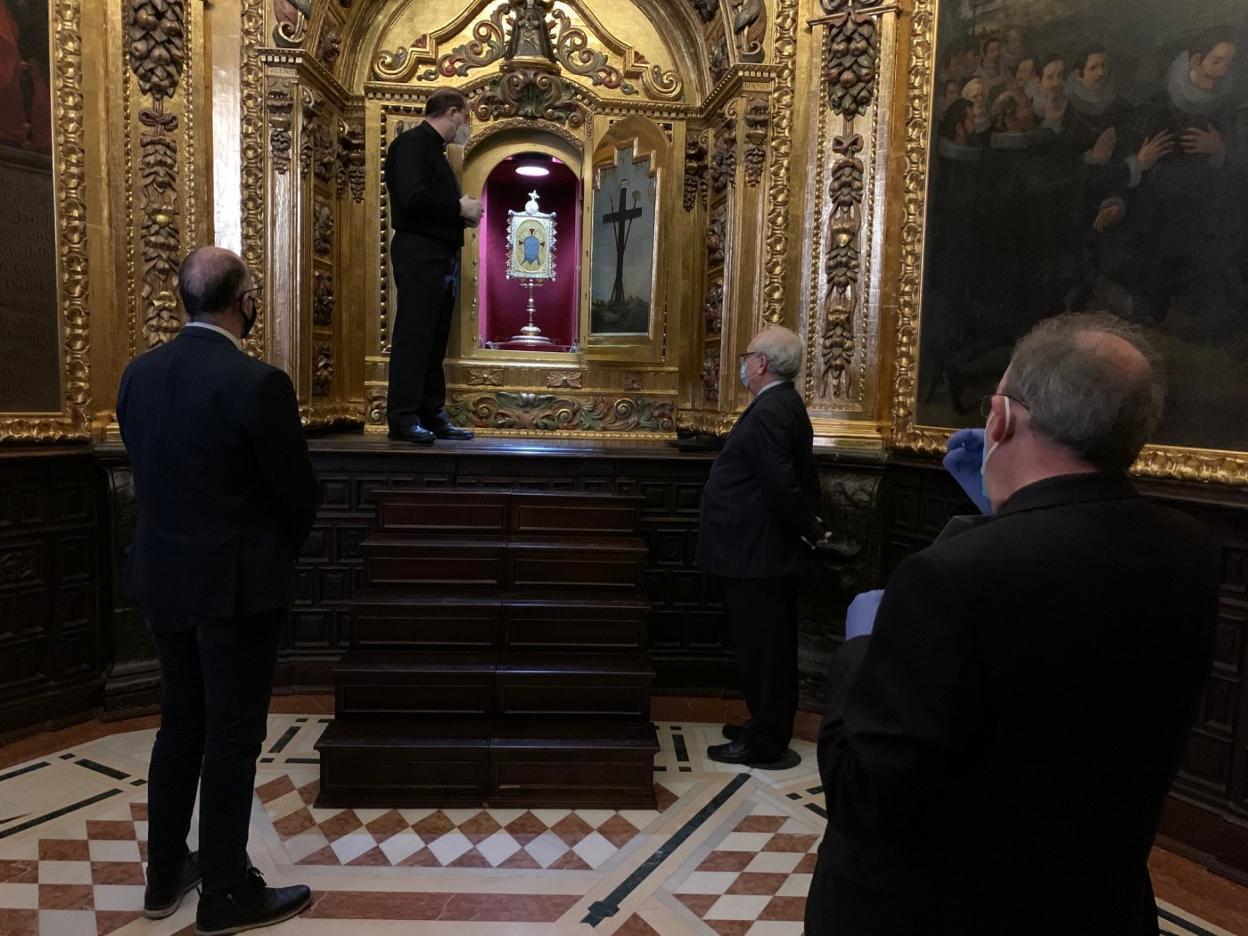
{"x":594,"y":849}
{"x":737,"y":907}
{"x":774,"y":862}
{"x":774,"y":928}
{"x":66,"y":923}
{"x":450,"y":846}
{"x":551,"y":816}
{"x":399,"y":847}
{"x":114,"y":851}
{"x":20,"y":896}
{"x":546,"y":848}
{"x":118,"y":896}
{"x":64,"y":872}
{"x":498,"y":848}
{"x":351,"y":846}
{"x":706,"y":882}
{"x":744,"y":841}
{"x":798,"y":885}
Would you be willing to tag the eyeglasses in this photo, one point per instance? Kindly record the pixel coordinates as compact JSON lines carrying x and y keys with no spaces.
{"x":985,"y":403}
{"x":744,"y":354}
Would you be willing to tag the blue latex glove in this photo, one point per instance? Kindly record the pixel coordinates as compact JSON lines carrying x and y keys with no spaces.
{"x":860,"y":615}
{"x":963,"y":461}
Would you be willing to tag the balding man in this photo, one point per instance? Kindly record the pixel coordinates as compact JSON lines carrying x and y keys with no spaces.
{"x":998,"y":745}
{"x":226,"y":497}
{"x":756,"y":529}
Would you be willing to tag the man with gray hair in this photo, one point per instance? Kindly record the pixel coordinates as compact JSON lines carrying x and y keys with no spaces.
{"x":757,"y":526}
{"x":1000,"y":738}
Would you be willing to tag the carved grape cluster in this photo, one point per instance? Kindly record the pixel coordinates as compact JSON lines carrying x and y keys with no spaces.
{"x":155,"y":31}
{"x":852,"y":61}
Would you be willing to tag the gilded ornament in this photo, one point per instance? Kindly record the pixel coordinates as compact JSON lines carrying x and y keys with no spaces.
{"x":548,"y":412}
{"x":572,"y":50}
{"x":696,"y":165}
{"x":719,"y":62}
{"x":632,"y":381}
{"x":375,"y":414}
{"x":156,"y":37}
{"x":330,"y":46}
{"x":710,"y":376}
{"x":280,"y":105}
{"x":851,"y":49}
{"x":323,"y":299}
{"x":778,"y":192}
{"x":749,"y":27}
{"x":564,"y":380}
{"x":724,"y":160}
{"x":309,"y":130}
{"x":487,"y":46}
{"x":529,"y":92}
{"x":715,"y":238}
{"x":251,"y":87}
{"x":485,"y":377}
{"x":322,"y":368}
{"x":755,"y":156}
{"x":322,"y":227}
{"x":706,"y":9}
{"x":292,"y":22}
{"x":713,"y":307}
{"x":350,"y":171}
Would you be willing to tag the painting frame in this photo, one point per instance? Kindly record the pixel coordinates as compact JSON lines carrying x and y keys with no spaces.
{"x":912,"y":131}
{"x":70,"y":421}
{"x":520,"y":225}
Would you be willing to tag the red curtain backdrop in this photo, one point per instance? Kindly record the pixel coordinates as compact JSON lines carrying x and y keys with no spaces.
{"x":503,"y":301}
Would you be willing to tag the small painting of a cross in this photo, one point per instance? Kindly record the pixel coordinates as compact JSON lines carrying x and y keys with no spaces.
{"x":622,"y":217}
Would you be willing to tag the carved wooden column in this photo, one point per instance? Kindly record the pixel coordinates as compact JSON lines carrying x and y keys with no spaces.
{"x":847,"y":140}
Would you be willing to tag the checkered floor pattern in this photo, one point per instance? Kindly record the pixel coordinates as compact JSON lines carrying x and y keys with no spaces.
{"x":554,"y":839}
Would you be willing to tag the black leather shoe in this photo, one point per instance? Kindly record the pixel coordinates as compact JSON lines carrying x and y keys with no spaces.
{"x":735,"y":752}
{"x":413,"y":433}
{"x":732,"y":732}
{"x":448,"y":431}
{"x":165,"y":890}
{"x":248,"y":906}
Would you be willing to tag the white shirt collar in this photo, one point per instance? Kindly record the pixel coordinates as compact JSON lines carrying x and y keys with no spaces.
{"x":221,"y":331}
{"x":762,"y":390}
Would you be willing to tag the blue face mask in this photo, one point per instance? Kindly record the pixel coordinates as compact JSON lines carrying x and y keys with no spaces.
{"x":743,"y":374}
{"x":989,"y":448}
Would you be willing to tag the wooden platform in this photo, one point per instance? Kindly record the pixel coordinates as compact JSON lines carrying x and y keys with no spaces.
{"x":497,"y":655}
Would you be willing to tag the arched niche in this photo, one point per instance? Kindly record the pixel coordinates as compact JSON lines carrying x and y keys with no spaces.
{"x":492,"y":308}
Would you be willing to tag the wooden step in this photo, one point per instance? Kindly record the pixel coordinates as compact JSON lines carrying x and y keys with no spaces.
{"x":395,"y":764}
{"x":442,"y":511}
{"x":573,"y":764}
{"x":434,"y":685}
{"x":574,"y":685}
{"x":412,"y":618}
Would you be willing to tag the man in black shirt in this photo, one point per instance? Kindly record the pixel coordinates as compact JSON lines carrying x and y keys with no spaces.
{"x":429,"y":214}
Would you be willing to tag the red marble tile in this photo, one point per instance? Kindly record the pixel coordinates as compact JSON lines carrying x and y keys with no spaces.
{"x":663,"y":797}
{"x":790,"y":842}
{"x":525,"y":828}
{"x":471,"y":859}
{"x":143,"y":850}
{"x":571,"y":828}
{"x":521,"y":859}
{"x":310,"y":791}
{"x":698,"y":903}
{"x":385,"y":826}
{"x":757,"y":883}
{"x":325,"y":856}
{"x":373,"y":858}
{"x":138,"y":812}
{"x":730,"y":927}
{"x":636,"y":926}
{"x":275,"y":788}
{"x":114,"y":830}
{"x":760,"y":824}
{"x":806,"y":865}
{"x":66,"y":897}
{"x":19,"y":922}
{"x":433,"y":826}
{"x":421,"y":859}
{"x":20,"y":872}
{"x":726,"y":861}
{"x":343,"y":823}
{"x":792,"y":909}
{"x":569,"y":861}
{"x":618,"y":831}
{"x":292,"y":824}
{"x":509,"y":908}
{"x":117,"y":872}
{"x":480,"y":827}
{"x":106,"y":921}
{"x":64,"y":850}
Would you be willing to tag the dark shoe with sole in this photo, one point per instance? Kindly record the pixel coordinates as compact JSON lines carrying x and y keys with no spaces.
{"x":442,"y":427}
{"x":165,"y":890}
{"x":735,"y":752}
{"x":413,"y":433}
{"x":732,"y":732}
{"x":248,"y":906}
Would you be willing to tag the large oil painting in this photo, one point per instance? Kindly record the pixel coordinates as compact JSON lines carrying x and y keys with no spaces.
{"x":1090,"y":156}
{"x":622,"y":273}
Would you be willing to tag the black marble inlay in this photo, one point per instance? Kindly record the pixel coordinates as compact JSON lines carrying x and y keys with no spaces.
{"x":1183,"y":925}
{"x":303,"y":760}
{"x":266,"y":760}
{"x":686,"y":770}
{"x":609,"y":906}
{"x":69,"y":756}
{"x":817,"y":810}
{"x":795,"y":796}
{"x":101,"y":768}
{"x":139,"y":782}
{"x":815,"y":790}
{"x":63,"y":811}
{"x":682,"y":752}
{"x":22,"y":770}
{"x":280,"y":744}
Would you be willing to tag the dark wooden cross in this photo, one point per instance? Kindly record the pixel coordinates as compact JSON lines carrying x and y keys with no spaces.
{"x":622,"y":217}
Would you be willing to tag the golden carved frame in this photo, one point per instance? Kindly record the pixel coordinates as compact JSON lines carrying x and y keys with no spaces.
{"x":69,"y":179}
{"x":912,"y":133}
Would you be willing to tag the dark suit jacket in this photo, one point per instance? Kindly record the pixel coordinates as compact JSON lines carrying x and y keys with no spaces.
{"x":225,"y":489}
{"x":424,"y":193}
{"x":996,"y":755}
{"x":760,"y":498}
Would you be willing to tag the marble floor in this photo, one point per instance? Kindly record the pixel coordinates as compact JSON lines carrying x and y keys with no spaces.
{"x":728,"y":851}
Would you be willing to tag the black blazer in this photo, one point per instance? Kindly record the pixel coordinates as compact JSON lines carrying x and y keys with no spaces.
{"x":996,"y":755}
{"x":424,"y":193}
{"x":761,"y":496}
{"x":225,"y":489}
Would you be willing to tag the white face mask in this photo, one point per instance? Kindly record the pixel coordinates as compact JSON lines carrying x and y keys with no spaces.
{"x":461,"y":135}
{"x":989,"y":448}
{"x":743,"y":374}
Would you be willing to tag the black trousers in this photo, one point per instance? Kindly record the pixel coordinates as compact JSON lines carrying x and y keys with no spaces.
{"x":216,"y":676}
{"x":762,"y":617}
{"x":426,"y":277}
